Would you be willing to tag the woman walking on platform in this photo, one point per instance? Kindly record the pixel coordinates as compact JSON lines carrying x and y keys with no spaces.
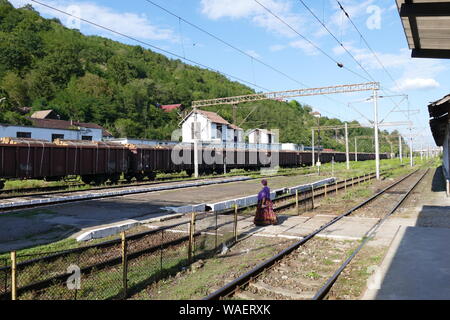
{"x":264,"y":212}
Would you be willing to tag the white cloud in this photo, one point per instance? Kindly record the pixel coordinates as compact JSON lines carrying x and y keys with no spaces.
{"x":251,"y":10}
{"x":277,"y":47}
{"x":305,"y":46}
{"x":131,"y":24}
{"x":410,"y":84}
{"x":253,"y":53}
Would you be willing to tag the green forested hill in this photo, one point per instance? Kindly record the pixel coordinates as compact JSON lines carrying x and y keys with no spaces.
{"x":44,"y":65}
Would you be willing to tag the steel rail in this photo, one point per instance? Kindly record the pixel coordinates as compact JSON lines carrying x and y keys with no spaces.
{"x":234,"y":285}
{"x":321,"y":294}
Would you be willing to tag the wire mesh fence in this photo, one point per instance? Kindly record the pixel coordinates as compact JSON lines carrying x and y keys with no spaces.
{"x":118,"y":268}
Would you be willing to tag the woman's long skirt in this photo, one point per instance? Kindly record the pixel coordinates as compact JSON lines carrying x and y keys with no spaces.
{"x":264,"y":214}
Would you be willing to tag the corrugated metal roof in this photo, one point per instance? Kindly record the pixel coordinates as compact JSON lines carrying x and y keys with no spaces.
{"x":427,"y":27}
{"x":439,"y":112}
{"x":43,"y":114}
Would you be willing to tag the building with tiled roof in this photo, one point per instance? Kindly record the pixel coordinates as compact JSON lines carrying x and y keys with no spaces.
{"x":210,"y":128}
{"x":172,"y":107}
{"x":47,"y":126}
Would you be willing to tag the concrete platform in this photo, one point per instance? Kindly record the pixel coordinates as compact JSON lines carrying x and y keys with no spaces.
{"x":417,"y":263}
{"x":416,"y":267}
{"x":48,"y":224}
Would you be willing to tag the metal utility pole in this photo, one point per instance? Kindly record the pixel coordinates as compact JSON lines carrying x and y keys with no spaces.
{"x":375,"y":124}
{"x":356,"y":150}
{"x":400,"y":151}
{"x":421,"y":151}
{"x":317,"y":115}
{"x":312,"y":144}
{"x":195,"y":144}
{"x":235,"y":114}
{"x":346,"y":147}
{"x":411,"y":160}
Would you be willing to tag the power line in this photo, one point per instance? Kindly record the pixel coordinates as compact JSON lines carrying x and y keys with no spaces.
{"x":237,"y":49}
{"x":225,"y":42}
{"x":367,"y":44}
{"x":337,"y":40}
{"x":343,"y":46}
{"x":339,"y":64}
{"x":373,"y":52}
{"x":149,"y":45}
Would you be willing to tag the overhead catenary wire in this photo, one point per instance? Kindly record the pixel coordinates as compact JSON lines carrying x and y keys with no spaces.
{"x":225,"y":42}
{"x":367,"y":44}
{"x":337,"y":40}
{"x":243,"y":52}
{"x":150,"y":45}
{"x":343,"y":46}
{"x":372,"y":51}
{"x":310,"y":42}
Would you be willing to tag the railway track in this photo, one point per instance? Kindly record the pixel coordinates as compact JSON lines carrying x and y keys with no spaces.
{"x":39,"y":191}
{"x":286,"y":276}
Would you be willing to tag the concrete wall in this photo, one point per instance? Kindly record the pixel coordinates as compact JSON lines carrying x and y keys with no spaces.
{"x":204,"y":128}
{"x":208,"y":130}
{"x":263,"y":137}
{"x":290,"y":146}
{"x":46,"y":134}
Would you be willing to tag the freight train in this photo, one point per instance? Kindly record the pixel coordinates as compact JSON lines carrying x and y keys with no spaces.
{"x":99,"y":162}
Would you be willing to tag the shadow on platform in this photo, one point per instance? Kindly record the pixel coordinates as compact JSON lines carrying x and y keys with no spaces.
{"x":438,"y":183}
{"x":419,"y":268}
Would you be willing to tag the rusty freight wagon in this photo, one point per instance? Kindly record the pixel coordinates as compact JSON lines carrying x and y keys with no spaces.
{"x":94,"y":161}
{"x":34,"y":159}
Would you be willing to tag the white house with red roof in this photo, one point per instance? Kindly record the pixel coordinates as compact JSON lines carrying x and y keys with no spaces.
{"x":210,"y":128}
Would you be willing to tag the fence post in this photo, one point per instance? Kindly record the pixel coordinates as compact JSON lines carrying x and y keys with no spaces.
{"x":191,"y":237}
{"x":235,"y":221}
{"x":161,"y":250}
{"x":312,"y":197}
{"x":124,"y":265}
{"x":13,"y":276}
{"x":296,"y":202}
{"x":216,"y":240}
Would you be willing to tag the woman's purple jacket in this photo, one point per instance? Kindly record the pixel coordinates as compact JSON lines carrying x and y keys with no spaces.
{"x":264,"y":193}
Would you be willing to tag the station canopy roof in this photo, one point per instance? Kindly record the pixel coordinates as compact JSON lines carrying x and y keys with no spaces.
{"x":439,"y":112}
{"x":427,"y":27}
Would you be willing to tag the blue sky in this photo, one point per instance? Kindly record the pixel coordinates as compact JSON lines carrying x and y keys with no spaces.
{"x":248,"y":26}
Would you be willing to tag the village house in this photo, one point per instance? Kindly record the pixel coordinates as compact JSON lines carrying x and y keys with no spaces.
{"x":46,"y":125}
{"x":211,"y":128}
{"x":261,"y":136}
